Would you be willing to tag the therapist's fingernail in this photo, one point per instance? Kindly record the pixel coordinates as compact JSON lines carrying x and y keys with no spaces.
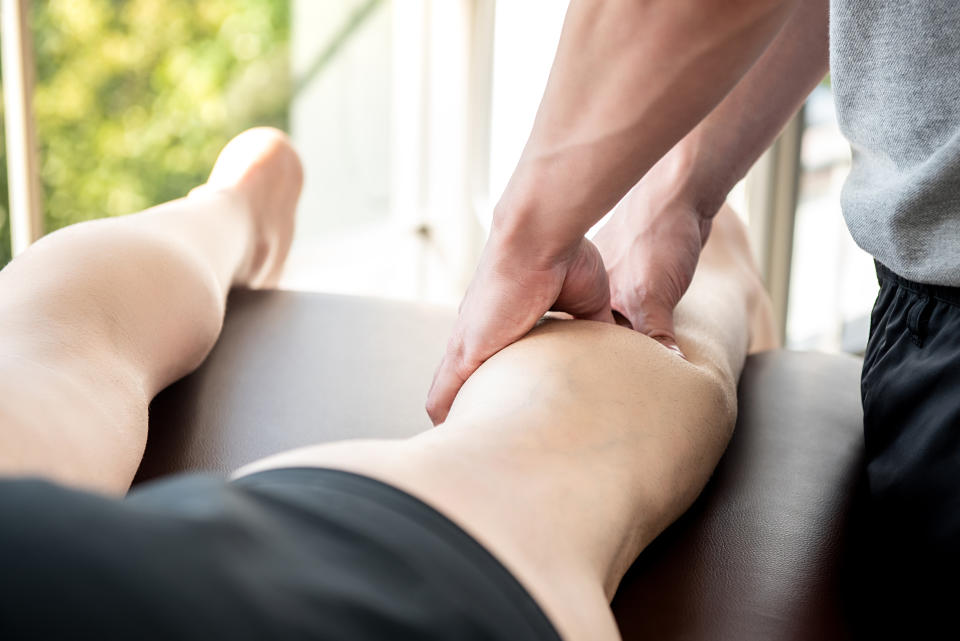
{"x":670,"y":344}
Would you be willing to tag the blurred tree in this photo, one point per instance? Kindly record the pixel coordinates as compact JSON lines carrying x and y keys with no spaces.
{"x":134,"y":98}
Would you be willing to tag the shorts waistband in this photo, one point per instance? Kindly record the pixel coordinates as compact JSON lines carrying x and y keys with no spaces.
{"x":940,"y":292}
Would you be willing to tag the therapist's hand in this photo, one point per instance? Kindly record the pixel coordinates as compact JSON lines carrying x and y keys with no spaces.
{"x":650,"y":246}
{"x":514,"y":285}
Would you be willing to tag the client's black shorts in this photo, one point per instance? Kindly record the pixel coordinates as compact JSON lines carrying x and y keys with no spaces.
{"x":283,"y":554}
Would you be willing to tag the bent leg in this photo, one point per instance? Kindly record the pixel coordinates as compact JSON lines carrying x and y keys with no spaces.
{"x":97,"y":318}
{"x":569,"y":451}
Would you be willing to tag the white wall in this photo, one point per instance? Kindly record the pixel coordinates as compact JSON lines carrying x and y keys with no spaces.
{"x":525,"y":40}
{"x":340,"y":122}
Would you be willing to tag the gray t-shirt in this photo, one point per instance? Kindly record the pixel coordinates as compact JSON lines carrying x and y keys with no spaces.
{"x":895,"y":67}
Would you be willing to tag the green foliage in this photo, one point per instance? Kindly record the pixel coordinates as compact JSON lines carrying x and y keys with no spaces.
{"x":134,"y":98}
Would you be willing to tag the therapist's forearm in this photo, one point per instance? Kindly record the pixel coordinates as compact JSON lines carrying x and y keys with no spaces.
{"x":704,"y":166}
{"x":630,"y":79}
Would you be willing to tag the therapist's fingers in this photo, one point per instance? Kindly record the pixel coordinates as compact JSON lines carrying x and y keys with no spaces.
{"x":653,"y":318}
{"x":489,"y":320}
{"x":494,"y":313}
{"x":662,"y":332}
{"x":508,"y":295}
{"x":446,"y":383}
{"x":585,"y":292}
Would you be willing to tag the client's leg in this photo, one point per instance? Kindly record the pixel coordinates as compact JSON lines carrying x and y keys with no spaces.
{"x":97,"y":318}
{"x":568,"y":452}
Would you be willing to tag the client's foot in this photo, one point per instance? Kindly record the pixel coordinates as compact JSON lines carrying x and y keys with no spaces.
{"x":263,"y":168}
{"x":729,"y":242}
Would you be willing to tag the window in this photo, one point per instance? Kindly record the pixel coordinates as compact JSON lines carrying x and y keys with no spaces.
{"x":833,"y":283}
{"x":409,"y":115}
{"x":132,"y":100}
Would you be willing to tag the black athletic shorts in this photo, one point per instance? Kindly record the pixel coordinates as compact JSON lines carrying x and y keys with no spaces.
{"x":911,"y":402}
{"x":283,"y":554}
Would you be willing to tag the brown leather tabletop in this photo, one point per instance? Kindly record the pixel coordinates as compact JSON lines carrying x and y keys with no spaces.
{"x":757,"y":556}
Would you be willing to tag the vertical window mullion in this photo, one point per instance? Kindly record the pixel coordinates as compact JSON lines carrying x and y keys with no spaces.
{"x":26,"y":216}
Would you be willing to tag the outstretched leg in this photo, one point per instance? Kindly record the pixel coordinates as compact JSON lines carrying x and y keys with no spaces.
{"x":97,"y":318}
{"x":569,"y":451}
{"x":565,"y":454}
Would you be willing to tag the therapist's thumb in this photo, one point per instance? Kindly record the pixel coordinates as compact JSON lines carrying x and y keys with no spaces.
{"x":656,"y":321}
{"x":446,"y":383}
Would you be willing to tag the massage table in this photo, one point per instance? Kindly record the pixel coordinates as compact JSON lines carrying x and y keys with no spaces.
{"x":764,"y":553}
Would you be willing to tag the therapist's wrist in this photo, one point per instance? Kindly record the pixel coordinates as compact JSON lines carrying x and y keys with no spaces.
{"x":677,"y":187}
{"x":528,"y":225}
{"x":693,"y":177}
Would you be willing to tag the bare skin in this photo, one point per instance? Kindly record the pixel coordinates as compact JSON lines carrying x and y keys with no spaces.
{"x":569,"y":451}
{"x":565,"y":454}
{"x":651,"y":243}
{"x":97,"y":318}
{"x":630,"y":79}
